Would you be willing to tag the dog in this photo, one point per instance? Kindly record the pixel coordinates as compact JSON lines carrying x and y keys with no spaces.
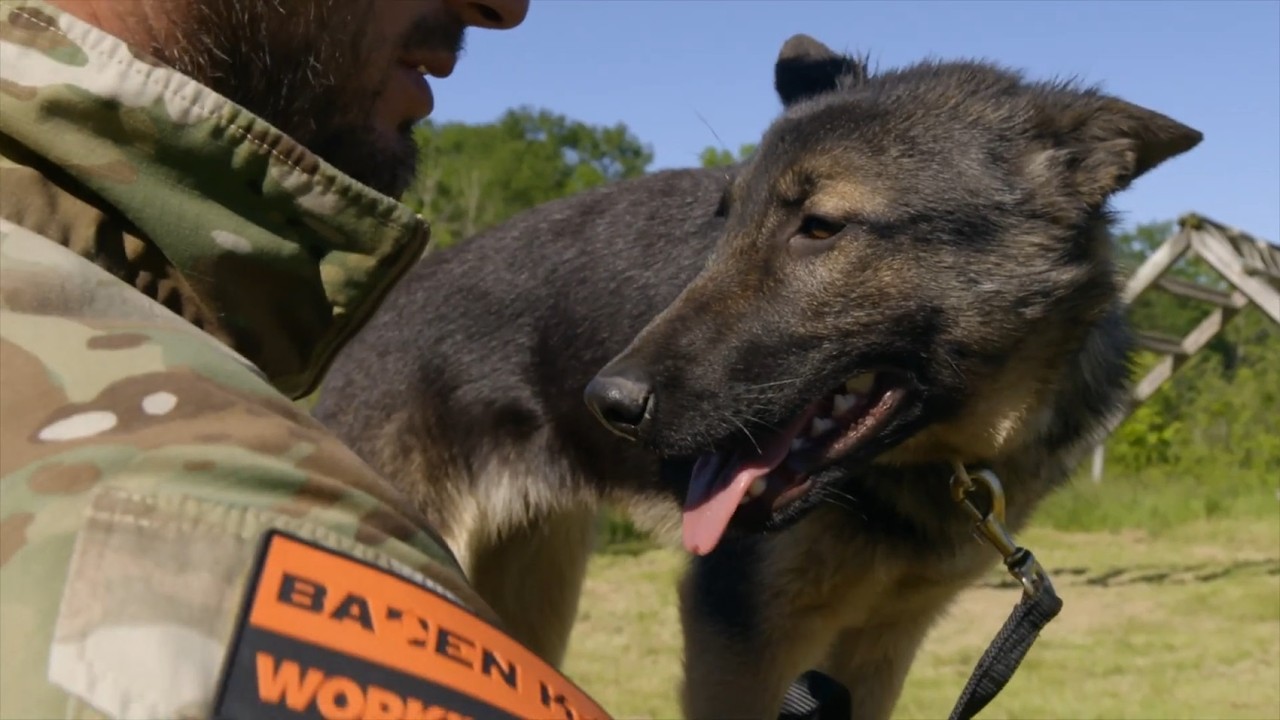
{"x":911,"y":271}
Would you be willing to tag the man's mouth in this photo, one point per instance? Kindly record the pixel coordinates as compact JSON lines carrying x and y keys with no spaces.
{"x":413,"y":68}
{"x":765,"y":474}
{"x":418,"y":98}
{"x":436,"y":63}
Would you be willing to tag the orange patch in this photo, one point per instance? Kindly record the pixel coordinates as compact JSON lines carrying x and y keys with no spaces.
{"x":326,"y":634}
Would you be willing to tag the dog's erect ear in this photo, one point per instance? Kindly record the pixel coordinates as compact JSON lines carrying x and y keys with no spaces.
{"x":806,"y":68}
{"x":1105,"y":143}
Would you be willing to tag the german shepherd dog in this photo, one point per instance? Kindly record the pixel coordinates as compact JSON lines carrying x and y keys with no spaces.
{"x":912,"y":270}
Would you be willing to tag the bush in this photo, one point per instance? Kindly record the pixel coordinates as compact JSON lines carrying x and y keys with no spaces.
{"x":617,"y":535}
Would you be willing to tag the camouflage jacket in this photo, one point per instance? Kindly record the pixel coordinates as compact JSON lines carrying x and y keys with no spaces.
{"x":172,"y":271}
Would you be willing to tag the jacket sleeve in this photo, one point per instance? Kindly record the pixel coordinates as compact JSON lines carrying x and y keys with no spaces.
{"x":177,"y":538}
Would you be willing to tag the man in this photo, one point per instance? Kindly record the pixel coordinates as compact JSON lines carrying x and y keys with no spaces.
{"x":195,"y":213}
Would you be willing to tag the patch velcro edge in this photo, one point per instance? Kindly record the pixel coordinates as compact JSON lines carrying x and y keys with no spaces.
{"x":322,"y":634}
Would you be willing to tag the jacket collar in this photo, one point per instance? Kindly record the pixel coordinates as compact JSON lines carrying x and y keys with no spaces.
{"x":283,"y":256}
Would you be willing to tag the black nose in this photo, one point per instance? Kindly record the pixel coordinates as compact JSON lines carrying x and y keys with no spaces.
{"x":621,"y":400}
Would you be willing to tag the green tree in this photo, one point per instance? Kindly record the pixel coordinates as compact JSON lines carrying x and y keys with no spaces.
{"x":475,"y":176}
{"x":720,"y":157}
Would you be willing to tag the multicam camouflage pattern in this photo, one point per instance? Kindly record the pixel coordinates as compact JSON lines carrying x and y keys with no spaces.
{"x":144,"y":219}
{"x":250,"y":236}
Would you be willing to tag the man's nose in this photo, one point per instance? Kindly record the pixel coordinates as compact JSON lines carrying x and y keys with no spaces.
{"x":493,"y":14}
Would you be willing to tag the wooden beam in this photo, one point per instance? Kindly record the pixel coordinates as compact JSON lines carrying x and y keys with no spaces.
{"x":1156,"y":264}
{"x":1194,"y":342}
{"x":1200,"y":335}
{"x":1260,"y":257}
{"x":1221,"y":256}
{"x":1155,"y":377}
{"x":1171,"y":362}
{"x":1196,"y":291}
{"x":1159,"y":343}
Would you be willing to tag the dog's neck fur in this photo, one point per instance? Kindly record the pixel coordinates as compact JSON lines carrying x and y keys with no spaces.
{"x":903,"y":501}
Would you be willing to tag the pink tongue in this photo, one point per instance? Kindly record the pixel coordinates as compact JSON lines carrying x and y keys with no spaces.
{"x":710,"y":505}
{"x":712,"y":501}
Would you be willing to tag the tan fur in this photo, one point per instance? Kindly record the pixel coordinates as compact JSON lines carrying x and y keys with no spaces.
{"x":855,"y":610}
{"x":508,"y":530}
{"x":998,"y":416}
{"x":843,"y":196}
{"x":550,"y":553}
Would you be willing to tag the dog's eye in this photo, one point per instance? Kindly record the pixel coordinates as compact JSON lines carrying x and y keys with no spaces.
{"x":818,"y":228}
{"x":815,"y":235}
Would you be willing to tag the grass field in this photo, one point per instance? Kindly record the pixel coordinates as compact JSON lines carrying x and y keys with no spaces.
{"x":1180,"y":624}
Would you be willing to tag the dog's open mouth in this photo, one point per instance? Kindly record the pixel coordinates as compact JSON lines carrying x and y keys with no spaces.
{"x":767,"y":473}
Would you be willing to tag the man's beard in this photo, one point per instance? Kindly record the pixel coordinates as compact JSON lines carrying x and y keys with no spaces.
{"x":309,"y":67}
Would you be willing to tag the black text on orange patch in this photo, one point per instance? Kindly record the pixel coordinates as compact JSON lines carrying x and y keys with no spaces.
{"x":327,"y":636}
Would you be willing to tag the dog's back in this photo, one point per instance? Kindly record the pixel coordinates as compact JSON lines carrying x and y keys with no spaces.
{"x":466,"y":387}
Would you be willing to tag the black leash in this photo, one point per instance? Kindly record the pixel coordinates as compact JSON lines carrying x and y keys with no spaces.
{"x":1005,"y":653}
{"x":1039,"y":603}
{"x":815,"y":696}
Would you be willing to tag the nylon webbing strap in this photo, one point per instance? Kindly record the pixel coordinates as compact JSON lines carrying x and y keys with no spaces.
{"x":815,"y":696}
{"x":996,"y":666}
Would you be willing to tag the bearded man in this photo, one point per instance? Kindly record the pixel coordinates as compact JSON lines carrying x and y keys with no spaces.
{"x":196,"y":211}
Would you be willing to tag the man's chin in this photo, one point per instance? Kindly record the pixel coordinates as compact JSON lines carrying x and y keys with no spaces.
{"x":384,"y":161}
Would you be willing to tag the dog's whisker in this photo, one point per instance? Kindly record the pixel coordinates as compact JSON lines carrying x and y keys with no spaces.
{"x":749,"y":436}
{"x":762,"y":423}
{"x":954,"y":366}
{"x":831,"y":491}
{"x":837,"y":503}
{"x":773,"y":383}
{"x":836,"y":497}
{"x":713,"y":132}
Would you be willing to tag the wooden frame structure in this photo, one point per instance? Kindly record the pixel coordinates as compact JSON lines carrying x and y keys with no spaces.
{"x":1251,"y":268}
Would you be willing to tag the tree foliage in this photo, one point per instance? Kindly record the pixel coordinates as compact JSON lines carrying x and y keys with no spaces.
{"x":721,"y":157}
{"x":475,"y":176}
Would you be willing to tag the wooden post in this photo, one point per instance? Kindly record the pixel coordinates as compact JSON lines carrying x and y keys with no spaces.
{"x":1099,"y":457}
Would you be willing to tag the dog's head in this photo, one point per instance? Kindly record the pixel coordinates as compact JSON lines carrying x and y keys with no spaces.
{"x":909,"y":261}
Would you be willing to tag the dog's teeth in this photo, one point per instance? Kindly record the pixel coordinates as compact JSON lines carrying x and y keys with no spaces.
{"x":861,"y":385}
{"x":820,"y":426}
{"x":757,"y":487}
{"x":840,"y":404}
{"x":798,"y":444}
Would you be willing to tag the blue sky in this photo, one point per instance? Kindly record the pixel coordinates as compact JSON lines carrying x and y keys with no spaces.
{"x":676,"y":70}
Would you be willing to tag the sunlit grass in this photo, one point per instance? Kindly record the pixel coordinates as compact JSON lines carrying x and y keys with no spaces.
{"x":1165,"y":639}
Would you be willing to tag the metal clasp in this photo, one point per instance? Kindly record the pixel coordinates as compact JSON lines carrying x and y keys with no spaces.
{"x":1019,"y":561}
